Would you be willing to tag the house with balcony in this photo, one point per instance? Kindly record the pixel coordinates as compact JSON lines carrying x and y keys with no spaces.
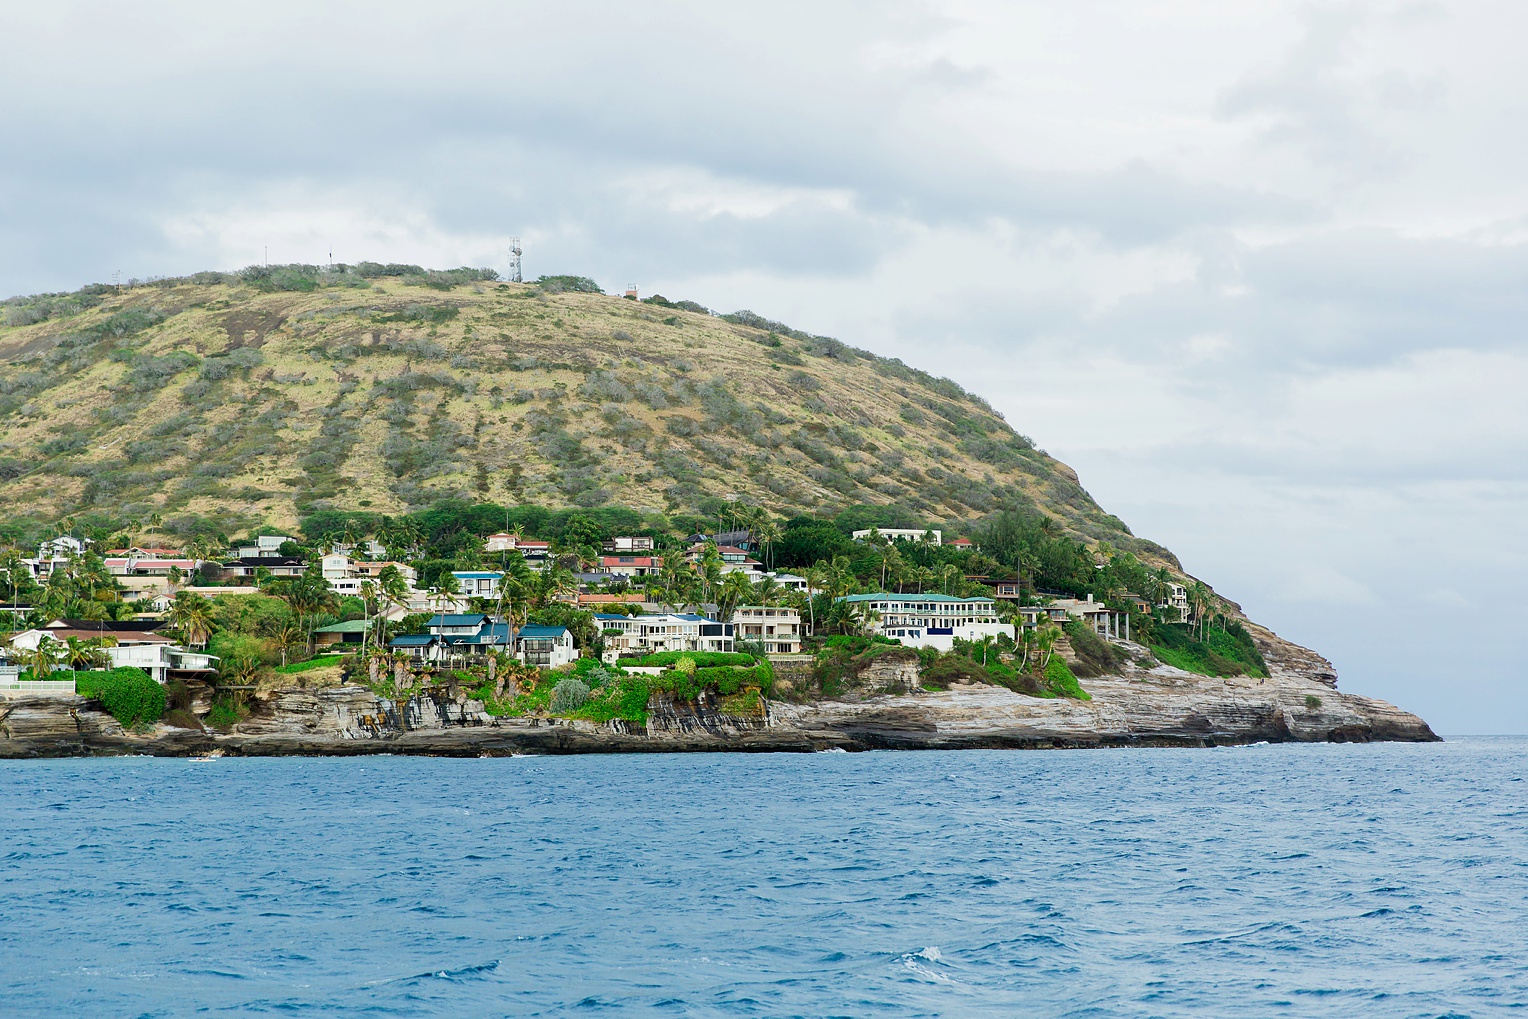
{"x":478,"y":583}
{"x":663,"y":631}
{"x":932,"y":620}
{"x":777,"y":627}
{"x":627,"y":545}
{"x":631,"y":565}
{"x":244,"y":569}
{"x":734,"y":559}
{"x":545,"y":647}
{"x":933,"y":537}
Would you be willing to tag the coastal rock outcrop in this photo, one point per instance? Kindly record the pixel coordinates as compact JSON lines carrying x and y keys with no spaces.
{"x":1161,"y":706}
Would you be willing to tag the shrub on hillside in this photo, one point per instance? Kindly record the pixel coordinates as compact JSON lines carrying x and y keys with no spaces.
{"x":129,"y":695}
{"x":563,"y":284}
{"x":568,"y":696}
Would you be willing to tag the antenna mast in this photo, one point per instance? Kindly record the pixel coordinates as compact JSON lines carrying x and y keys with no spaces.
{"x":514,"y":261}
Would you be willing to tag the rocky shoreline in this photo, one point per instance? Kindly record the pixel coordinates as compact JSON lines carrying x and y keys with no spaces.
{"x":1160,"y":707}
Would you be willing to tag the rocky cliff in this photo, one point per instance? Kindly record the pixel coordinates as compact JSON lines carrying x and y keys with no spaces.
{"x":1158,"y":707}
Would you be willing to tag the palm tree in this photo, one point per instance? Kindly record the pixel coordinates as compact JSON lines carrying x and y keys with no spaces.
{"x":446,"y":588}
{"x":80,"y":655}
{"x":43,"y":657}
{"x":767,"y":531}
{"x":287,"y":637}
{"x":733,"y":589}
{"x":948,"y":577}
{"x":191,"y":614}
{"x":1201,"y":598}
{"x":767,"y":591}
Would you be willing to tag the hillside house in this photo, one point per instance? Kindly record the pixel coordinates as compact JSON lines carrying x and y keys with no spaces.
{"x":933,"y":537}
{"x":777,"y":627}
{"x":266,"y":546}
{"x":545,"y":647}
{"x":244,"y":568}
{"x":667,"y":631}
{"x":336,"y":636}
{"x":478,"y":583}
{"x":625,"y":545}
{"x":1095,"y":615}
{"x":1177,"y":603}
{"x":933,"y":620}
{"x":734,"y":559}
{"x":631,"y":565}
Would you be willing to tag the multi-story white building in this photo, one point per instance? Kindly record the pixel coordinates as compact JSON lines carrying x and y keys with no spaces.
{"x":932,"y":620}
{"x":901,"y":534}
{"x":669,"y":631}
{"x":628,"y":545}
{"x":265,"y":546}
{"x":777,"y":627}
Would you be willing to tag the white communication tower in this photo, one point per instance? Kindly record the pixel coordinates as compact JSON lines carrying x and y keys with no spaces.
{"x":514,"y":261}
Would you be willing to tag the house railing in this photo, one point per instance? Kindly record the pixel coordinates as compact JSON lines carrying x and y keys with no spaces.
{"x":38,"y":687}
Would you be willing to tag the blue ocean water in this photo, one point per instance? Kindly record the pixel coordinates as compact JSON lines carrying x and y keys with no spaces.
{"x":1387,"y":880}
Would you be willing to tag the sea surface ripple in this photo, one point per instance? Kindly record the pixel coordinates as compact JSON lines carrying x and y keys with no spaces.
{"x":1387,"y":880}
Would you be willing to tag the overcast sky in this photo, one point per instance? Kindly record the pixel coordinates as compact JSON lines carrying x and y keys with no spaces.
{"x":1259,"y":271}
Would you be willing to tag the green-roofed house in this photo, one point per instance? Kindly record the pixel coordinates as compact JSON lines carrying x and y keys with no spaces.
{"x":352,"y":631}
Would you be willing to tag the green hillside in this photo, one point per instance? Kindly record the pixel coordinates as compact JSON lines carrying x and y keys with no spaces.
{"x":223,"y":403}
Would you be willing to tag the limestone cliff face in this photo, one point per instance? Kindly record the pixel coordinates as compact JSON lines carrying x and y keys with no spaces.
{"x":1157,"y":707}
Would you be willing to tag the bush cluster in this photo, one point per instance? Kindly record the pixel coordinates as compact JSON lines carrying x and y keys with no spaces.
{"x":129,"y":695}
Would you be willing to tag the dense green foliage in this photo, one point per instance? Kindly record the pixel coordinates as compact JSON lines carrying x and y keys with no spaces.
{"x":1222,"y":652}
{"x":129,"y":695}
{"x":1059,"y":677}
{"x":701,"y":659}
{"x":312,"y":663}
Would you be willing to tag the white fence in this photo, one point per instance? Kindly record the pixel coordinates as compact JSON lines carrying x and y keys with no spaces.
{"x":37,"y":688}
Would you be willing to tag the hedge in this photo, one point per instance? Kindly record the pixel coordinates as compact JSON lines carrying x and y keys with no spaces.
{"x":702,"y":659}
{"x":130,"y":695}
{"x":724,"y":680}
{"x":311,"y":663}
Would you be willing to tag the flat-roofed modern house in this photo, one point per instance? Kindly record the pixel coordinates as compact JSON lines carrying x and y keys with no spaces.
{"x":932,"y":620}
{"x":245,"y":568}
{"x":901,"y":534}
{"x":627,"y":544}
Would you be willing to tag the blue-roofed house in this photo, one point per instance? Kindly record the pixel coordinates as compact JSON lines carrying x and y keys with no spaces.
{"x":478,"y":583}
{"x":470,"y":633}
{"x":545,"y":646}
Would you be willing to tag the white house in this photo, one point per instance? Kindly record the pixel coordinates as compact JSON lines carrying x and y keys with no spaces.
{"x":901,"y":534}
{"x":777,"y":627}
{"x":545,"y":646}
{"x":266,"y":546}
{"x":478,"y":583}
{"x":628,"y":545}
{"x":667,"y":631}
{"x":933,"y":620}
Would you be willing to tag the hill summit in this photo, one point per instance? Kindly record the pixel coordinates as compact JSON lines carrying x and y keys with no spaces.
{"x":223,"y":402}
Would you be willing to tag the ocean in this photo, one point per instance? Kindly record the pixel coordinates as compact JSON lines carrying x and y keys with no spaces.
{"x":1288,"y":880}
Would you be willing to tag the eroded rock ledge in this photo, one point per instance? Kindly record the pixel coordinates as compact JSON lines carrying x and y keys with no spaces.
{"x":1159,"y":707}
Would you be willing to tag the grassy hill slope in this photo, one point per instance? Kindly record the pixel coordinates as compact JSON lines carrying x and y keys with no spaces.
{"x":256,"y":398}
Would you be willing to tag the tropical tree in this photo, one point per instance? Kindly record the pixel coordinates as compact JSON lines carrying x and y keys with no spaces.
{"x":43,"y":657}
{"x":191,"y":615}
{"x":732,"y":591}
{"x":767,"y":591}
{"x":768,"y":533}
{"x":80,"y":655}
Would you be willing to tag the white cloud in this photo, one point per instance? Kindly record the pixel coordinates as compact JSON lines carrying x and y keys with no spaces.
{"x":1256,"y":269}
